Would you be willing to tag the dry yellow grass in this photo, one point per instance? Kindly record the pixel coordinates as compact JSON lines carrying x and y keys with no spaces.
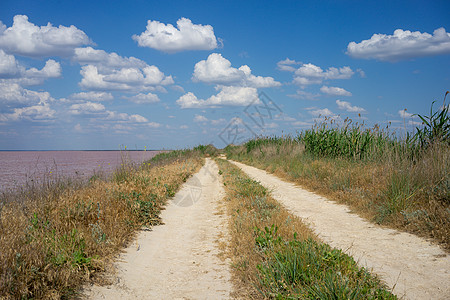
{"x":56,"y":239}
{"x":395,"y":190}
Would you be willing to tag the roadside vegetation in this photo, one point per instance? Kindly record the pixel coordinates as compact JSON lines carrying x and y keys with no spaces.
{"x":398,"y":182}
{"x":276,"y":256}
{"x":59,"y":234}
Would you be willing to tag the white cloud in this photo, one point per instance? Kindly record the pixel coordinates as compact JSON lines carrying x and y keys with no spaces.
{"x":300,"y":94}
{"x":13,"y":72}
{"x":124,"y":117}
{"x":186,"y":36}
{"x":92,"y":96}
{"x":52,"y":69}
{"x":189,"y":100}
{"x":362,"y":74}
{"x":40,"y":112}
{"x":91,"y":56}
{"x":86,"y":108}
{"x":347,"y":106}
{"x":13,"y":95}
{"x":200,"y":119}
{"x":404,"y":113}
{"x":25,"y":38}
{"x":218,"y":70}
{"x":98,"y":112}
{"x":109,"y":71}
{"x":218,"y":121}
{"x":229,"y":95}
{"x":9,"y":67}
{"x":144,"y":98}
{"x":302,"y":124}
{"x":184,"y":127}
{"x":126,"y":79}
{"x":178,"y":88}
{"x":153,"y":124}
{"x":140,"y":119}
{"x":403,"y":44}
{"x":334,"y":91}
{"x":78,"y":128}
{"x":33,"y":76}
{"x":325,"y":112}
{"x":287,"y":65}
{"x":311,"y":74}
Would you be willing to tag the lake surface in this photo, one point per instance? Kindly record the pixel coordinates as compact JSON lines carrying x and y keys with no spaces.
{"x":18,"y":167}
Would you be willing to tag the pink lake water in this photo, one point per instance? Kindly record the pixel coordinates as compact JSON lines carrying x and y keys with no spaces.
{"x":18,"y":167}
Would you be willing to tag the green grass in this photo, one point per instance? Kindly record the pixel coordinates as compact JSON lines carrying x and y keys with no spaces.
{"x":274,"y":255}
{"x":402,"y":183}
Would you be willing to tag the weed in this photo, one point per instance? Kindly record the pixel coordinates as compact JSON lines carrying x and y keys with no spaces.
{"x":380,"y":176}
{"x":56,"y":236}
{"x":284,"y":260}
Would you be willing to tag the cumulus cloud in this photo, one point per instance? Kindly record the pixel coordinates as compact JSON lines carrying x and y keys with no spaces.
{"x":228,"y":96}
{"x":144,"y":98}
{"x":33,"y":76}
{"x":92,"y":96}
{"x":324,"y":112}
{"x":153,"y":124}
{"x":308,"y":74}
{"x":167,"y":38}
{"x":403,"y":44}
{"x":109,"y":71}
{"x":40,"y":112}
{"x":334,"y":91}
{"x":218,"y":70}
{"x":124,"y":117}
{"x":189,"y":100}
{"x":86,"y":108}
{"x":17,"y":103}
{"x":99,"y":112}
{"x":287,"y":65}
{"x":12,"y":71}
{"x":9,"y":67}
{"x":125,"y":79}
{"x":347,"y":106}
{"x":27,"y":39}
{"x":13,"y":95}
{"x":101,"y":58}
{"x":200,"y":119}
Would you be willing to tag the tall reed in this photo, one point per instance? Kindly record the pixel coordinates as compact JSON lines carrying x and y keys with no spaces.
{"x":403,"y":183}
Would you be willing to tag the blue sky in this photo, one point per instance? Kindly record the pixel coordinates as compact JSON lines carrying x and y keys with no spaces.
{"x":157,"y":74}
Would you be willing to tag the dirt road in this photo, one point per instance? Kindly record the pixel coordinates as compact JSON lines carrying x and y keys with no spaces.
{"x":178,"y":260}
{"x":410,"y":265}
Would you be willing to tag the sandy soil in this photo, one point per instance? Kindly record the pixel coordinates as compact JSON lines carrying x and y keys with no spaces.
{"x":178,"y":260}
{"x":413,"y":267}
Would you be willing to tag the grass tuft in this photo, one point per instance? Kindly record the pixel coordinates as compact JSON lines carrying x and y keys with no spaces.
{"x":401,"y":183}
{"x":274,"y":255}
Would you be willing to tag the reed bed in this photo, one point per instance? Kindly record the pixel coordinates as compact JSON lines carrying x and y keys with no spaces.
{"x":401,"y":183}
{"x":60,"y":235}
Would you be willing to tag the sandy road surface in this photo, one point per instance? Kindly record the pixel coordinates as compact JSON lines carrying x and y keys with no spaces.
{"x":415,"y":268}
{"x":178,"y":260}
